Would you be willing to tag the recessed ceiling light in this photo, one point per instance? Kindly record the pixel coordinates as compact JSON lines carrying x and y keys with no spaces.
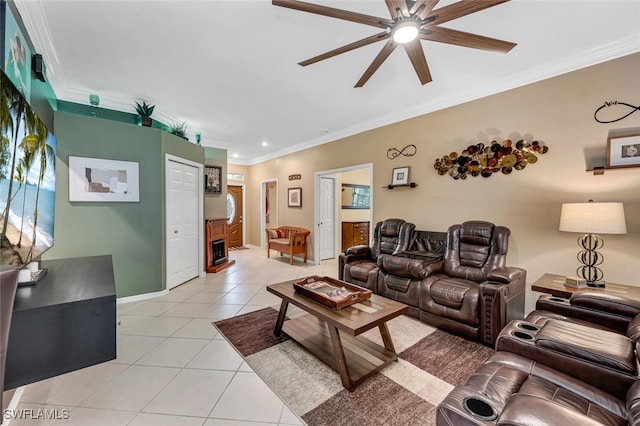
{"x":264,"y":143}
{"x":235,"y":155}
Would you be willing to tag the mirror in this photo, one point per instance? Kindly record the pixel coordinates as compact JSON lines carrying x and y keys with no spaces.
{"x":355,"y":196}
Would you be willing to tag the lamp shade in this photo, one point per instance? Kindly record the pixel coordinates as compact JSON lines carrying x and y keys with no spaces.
{"x":593,"y":218}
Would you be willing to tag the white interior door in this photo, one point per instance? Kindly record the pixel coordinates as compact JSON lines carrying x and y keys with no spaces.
{"x":182,"y":223}
{"x":326,"y":227}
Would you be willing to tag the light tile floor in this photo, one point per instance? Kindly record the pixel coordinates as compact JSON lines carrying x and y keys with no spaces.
{"x":172,"y":366}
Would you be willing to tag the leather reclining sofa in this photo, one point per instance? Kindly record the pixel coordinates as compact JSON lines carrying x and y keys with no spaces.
{"x":570,"y":362}
{"x":457,"y":281}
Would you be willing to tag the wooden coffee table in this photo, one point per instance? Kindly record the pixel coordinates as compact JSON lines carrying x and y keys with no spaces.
{"x":332,"y":335}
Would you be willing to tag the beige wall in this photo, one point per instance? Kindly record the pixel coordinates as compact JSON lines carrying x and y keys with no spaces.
{"x":558,"y":111}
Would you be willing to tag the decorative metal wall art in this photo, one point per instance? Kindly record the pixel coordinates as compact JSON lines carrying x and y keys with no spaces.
{"x":481,"y":160}
{"x":407,"y":151}
{"x":617,"y":113}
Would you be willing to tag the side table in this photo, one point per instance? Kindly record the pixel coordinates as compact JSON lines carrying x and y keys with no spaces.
{"x":554,"y":284}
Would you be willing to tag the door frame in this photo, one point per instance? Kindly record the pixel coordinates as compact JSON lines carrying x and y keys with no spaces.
{"x":263,"y":206}
{"x":244,"y":209}
{"x":200,"y":191}
{"x":336,"y":205}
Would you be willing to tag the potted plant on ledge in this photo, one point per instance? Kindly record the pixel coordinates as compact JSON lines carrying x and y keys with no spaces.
{"x":179,"y":129}
{"x":144,"y":111}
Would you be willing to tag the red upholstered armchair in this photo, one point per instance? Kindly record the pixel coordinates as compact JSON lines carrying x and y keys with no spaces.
{"x":474,"y":294}
{"x":358,"y":264}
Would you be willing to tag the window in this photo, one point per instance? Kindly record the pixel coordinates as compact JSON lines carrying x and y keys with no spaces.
{"x":235,"y":176}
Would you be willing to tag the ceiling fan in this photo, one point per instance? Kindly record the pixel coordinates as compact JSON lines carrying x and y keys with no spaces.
{"x":410,"y":22}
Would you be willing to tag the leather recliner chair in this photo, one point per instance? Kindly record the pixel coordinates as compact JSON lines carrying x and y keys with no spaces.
{"x":594,"y":336}
{"x":591,"y":308}
{"x":358,"y":265}
{"x":474,"y":294}
{"x":8,"y":286}
{"x":512,"y":390}
{"x":566,"y":363}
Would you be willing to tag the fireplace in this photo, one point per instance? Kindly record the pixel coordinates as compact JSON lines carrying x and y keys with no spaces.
{"x":219,"y":252}
{"x":217,"y":245}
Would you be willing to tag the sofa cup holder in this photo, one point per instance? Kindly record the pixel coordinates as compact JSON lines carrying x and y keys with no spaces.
{"x":479,"y":409}
{"x":527,"y":326}
{"x":522,"y":335}
{"x":557,"y":299}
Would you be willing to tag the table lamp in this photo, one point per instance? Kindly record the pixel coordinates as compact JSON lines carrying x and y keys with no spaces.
{"x":592,"y":219}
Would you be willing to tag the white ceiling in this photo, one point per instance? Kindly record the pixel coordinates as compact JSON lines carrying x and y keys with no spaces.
{"x":229,"y":67}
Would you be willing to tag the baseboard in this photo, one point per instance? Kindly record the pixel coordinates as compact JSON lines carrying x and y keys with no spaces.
{"x":141,"y":297}
{"x":13,"y":405}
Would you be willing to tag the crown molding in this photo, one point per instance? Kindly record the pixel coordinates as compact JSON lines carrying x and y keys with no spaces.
{"x":603,"y":53}
{"x":34,"y":20}
{"x":37,"y":27}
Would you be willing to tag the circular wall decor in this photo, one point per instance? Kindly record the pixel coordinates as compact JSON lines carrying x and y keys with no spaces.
{"x":481,"y":160}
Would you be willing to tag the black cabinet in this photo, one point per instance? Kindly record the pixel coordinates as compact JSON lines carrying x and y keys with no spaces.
{"x":65,"y":322}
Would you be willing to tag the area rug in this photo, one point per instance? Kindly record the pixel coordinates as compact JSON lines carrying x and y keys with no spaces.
{"x":407,"y":392}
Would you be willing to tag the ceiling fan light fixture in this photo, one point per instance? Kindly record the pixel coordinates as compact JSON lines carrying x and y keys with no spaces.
{"x":405,"y":31}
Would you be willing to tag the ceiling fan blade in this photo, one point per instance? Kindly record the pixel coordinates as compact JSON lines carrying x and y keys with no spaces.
{"x":461,"y":8}
{"x":334,"y":13}
{"x":346,"y":48}
{"x":416,"y":54}
{"x":427,"y":7}
{"x":382,"y":56}
{"x":394,"y":5}
{"x":460,"y":38}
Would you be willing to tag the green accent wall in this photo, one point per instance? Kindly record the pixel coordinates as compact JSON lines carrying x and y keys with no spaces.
{"x":107,"y":114}
{"x":102,"y":113}
{"x":132,"y":233}
{"x":215,"y":205}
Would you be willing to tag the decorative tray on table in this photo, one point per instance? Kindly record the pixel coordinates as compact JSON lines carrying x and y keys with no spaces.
{"x":331,"y":292}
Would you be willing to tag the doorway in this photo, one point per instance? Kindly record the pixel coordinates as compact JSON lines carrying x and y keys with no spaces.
{"x":234,"y":215}
{"x":333,"y":214}
{"x":268,"y":207}
{"x":184,"y":221}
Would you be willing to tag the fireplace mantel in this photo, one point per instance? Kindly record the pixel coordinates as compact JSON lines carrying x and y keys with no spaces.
{"x":216,"y":229}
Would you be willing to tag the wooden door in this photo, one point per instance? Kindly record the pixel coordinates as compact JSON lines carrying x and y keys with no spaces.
{"x":234,"y":215}
{"x":182,"y":223}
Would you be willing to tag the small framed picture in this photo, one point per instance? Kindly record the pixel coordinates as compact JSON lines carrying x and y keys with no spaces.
{"x":400,"y":176}
{"x":212,"y":179}
{"x":295,"y":197}
{"x":624,"y":151}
